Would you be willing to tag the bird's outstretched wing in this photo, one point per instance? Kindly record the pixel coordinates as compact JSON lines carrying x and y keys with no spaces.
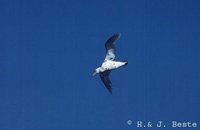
{"x":105,"y":79}
{"x":110,"y":47}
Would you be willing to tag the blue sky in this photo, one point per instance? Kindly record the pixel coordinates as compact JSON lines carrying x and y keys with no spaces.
{"x":49,"y":49}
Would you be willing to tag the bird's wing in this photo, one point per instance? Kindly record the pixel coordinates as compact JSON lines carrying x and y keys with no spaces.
{"x":110,"y":47}
{"x":106,"y":80}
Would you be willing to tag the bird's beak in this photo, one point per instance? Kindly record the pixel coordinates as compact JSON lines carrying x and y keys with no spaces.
{"x":94,"y":73}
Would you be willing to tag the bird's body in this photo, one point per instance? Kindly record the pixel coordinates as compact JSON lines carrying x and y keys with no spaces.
{"x":109,"y":63}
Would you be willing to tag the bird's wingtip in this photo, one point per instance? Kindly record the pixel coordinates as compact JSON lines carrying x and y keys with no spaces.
{"x":118,"y":34}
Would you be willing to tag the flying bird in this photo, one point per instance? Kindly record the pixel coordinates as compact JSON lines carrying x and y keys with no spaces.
{"x":109,"y":62}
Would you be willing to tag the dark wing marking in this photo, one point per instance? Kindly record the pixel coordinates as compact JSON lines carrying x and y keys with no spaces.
{"x":105,"y":79}
{"x":110,"y":47}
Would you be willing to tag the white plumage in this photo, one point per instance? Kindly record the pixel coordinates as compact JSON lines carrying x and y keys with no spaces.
{"x":109,"y":63}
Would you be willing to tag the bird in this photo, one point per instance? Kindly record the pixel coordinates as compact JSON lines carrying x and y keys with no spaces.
{"x":109,"y":62}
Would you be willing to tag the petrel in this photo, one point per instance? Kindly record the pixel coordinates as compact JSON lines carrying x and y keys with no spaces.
{"x":109,"y":62}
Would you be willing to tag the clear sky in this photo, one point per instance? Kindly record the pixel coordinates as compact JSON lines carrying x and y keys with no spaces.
{"x":49,"y":49}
